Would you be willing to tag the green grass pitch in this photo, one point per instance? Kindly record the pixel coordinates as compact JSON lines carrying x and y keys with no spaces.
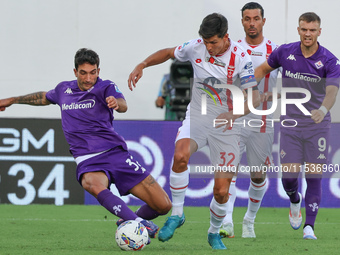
{"x":80,"y":229}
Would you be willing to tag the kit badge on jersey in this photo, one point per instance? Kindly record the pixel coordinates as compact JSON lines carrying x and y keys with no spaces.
{"x":318,"y":64}
{"x":116,"y":88}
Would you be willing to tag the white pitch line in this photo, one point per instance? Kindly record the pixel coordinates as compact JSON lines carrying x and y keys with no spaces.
{"x":37,"y":219}
{"x":188,"y":221}
{"x":272,"y":223}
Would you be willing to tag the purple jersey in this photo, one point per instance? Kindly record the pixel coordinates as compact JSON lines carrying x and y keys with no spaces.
{"x":313,"y":73}
{"x":86,"y":119}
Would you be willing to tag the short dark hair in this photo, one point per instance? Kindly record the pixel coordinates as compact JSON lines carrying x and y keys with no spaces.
{"x":213,"y":24}
{"x":310,"y":17}
{"x":252,"y":6}
{"x":85,"y":55}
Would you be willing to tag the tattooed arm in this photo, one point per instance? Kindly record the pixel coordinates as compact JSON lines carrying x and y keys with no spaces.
{"x":38,"y":98}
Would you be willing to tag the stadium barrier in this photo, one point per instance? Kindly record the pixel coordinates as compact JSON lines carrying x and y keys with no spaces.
{"x":36,"y":167}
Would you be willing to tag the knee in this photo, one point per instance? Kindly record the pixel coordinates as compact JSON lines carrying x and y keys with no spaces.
{"x":86,"y":183}
{"x":221,"y":195}
{"x":258,"y":180}
{"x":181,"y":160}
{"x":92,"y":184}
{"x":289,"y":183}
{"x":90,"y":187}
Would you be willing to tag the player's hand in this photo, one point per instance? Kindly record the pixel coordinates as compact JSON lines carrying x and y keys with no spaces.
{"x":4,"y":103}
{"x":267,"y":96}
{"x":136,"y":74}
{"x":112,"y":102}
{"x":317,"y":115}
{"x":160,"y":102}
{"x":224,"y":119}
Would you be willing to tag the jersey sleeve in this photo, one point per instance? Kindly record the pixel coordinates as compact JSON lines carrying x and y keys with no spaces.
{"x":113,"y":90}
{"x":182,"y":52}
{"x":52,"y":95}
{"x":274,"y":58}
{"x":333,"y":72}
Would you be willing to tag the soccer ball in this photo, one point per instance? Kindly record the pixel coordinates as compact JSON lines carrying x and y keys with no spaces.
{"x":131,"y":236}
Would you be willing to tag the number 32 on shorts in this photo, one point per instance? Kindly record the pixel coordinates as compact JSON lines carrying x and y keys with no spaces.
{"x":230,"y":156}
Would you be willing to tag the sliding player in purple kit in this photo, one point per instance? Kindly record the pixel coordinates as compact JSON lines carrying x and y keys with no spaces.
{"x":101,"y":154}
{"x":305,"y":64}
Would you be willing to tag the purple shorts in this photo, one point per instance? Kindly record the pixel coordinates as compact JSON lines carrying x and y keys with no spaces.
{"x":119,"y":167}
{"x":304,"y":146}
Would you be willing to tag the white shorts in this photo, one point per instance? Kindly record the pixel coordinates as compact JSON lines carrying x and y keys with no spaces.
{"x":224,"y":146}
{"x":258,"y":146}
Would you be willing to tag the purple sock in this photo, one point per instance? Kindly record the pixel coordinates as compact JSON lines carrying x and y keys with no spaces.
{"x":115,"y":205}
{"x":290,"y":184}
{"x":147,"y":213}
{"x":312,"y":198}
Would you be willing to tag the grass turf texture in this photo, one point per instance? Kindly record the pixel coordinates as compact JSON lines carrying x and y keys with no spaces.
{"x":79,"y":229}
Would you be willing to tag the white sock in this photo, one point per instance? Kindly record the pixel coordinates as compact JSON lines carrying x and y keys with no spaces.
{"x":217,"y":214}
{"x":178,"y":185}
{"x":295,"y":208}
{"x":232,"y":197}
{"x":256,"y":193}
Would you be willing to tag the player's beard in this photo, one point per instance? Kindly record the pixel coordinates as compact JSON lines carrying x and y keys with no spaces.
{"x":255,"y":34}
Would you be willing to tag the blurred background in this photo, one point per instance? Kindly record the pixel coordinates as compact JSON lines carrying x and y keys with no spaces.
{"x":40,"y":37}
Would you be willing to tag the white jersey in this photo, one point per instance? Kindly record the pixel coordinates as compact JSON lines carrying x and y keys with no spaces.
{"x":259,"y":54}
{"x":233,"y":67}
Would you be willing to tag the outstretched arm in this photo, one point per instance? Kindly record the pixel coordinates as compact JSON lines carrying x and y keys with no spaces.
{"x":38,"y":98}
{"x":154,"y":59}
{"x":262,"y":70}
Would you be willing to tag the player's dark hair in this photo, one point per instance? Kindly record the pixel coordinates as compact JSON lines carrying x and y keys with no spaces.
{"x":310,"y":17}
{"x":85,"y":55}
{"x":252,"y":6}
{"x":213,"y":24}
